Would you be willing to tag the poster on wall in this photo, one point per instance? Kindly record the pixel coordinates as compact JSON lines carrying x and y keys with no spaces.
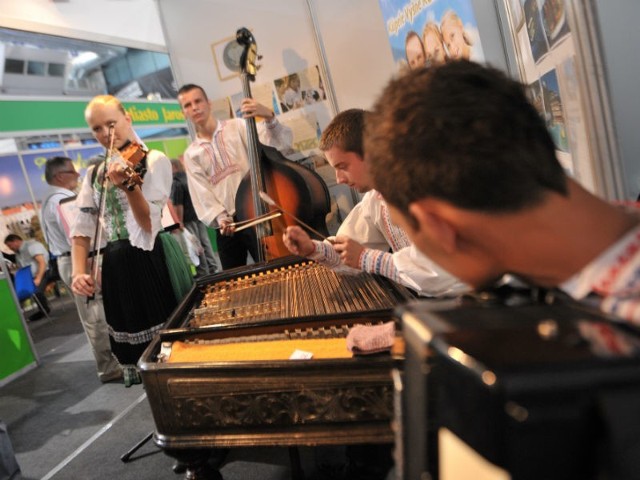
{"x":300,"y":89}
{"x":546,"y":22}
{"x":261,"y":92}
{"x":428,"y":32}
{"x":545,"y":53}
{"x":13,"y":186}
{"x":294,"y":97}
{"x":17,"y":206}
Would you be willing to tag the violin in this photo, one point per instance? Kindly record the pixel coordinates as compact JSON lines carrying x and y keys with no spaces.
{"x":133,"y":153}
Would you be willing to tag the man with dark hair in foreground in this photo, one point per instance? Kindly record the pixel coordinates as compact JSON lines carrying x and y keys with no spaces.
{"x":470,"y":173}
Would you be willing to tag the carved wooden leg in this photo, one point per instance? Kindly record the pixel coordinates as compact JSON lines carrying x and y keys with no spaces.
{"x":297,"y":473}
{"x":195,"y":463}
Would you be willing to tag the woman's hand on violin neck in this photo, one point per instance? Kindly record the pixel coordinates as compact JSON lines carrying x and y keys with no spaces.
{"x":251,"y":108}
{"x":83,"y":284}
{"x":122,"y":175}
{"x":117,"y":171}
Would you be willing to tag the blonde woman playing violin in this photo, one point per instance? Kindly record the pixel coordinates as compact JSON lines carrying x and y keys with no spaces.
{"x":136,"y":287}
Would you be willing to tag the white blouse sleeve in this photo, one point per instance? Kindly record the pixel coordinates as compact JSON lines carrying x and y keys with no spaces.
{"x":276,"y":134}
{"x":84,"y":224}
{"x":203,"y":195}
{"x":156,"y":188}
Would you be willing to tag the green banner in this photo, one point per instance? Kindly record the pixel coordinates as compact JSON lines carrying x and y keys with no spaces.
{"x":51,"y":115}
{"x":15,"y":349}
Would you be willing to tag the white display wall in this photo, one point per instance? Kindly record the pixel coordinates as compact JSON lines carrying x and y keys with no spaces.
{"x":129,"y":23}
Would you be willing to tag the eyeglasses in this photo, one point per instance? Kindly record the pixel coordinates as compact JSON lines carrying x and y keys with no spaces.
{"x":69,"y":171}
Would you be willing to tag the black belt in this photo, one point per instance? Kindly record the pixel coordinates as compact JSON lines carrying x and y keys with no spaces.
{"x":95,"y":253}
{"x":65,"y":254}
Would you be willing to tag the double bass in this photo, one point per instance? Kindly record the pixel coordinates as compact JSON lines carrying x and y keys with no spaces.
{"x":299,"y":191}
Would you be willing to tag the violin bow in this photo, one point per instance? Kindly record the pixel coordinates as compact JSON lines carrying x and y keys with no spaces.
{"x":255,"y":221}
{"x":270,"y":201}
{"x":97,"y":236}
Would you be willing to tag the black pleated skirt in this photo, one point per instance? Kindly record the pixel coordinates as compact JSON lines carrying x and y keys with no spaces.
{"x":138,"y":297}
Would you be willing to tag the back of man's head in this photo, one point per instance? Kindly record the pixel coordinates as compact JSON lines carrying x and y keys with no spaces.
{"x":12,"y":237}
{"x":463,"y":133}
{"x":53,"y":166}
{"x":345,"y":132}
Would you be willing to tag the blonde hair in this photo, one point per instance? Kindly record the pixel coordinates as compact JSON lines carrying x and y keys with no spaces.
{"x":104,"y":100}
{"x":452,"y":17}
{"x":431,"y":27}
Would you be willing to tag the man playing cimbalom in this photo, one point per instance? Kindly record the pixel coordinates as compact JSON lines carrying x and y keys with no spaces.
{"x":61,"y":175}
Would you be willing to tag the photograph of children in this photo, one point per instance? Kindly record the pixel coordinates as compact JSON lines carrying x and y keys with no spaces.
{"x":414,"y":50}
{"x":554,"y":20}
{"x":554,"y":111}
{"x":422,"y":34}
{"x":434,"y":50}
{"x":302,"y":88}
{"x":535,"y":30}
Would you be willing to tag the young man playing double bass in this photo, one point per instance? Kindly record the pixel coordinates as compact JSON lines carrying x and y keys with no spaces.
{"x":217,"y":161}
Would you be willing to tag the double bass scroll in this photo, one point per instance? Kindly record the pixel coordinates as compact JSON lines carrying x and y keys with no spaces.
{"x":297,"y":189}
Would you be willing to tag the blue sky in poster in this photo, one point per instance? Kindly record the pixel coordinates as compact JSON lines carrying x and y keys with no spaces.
{"x":401,"y":16}
{"x":13,"y":186}
{"x":34,"y":163}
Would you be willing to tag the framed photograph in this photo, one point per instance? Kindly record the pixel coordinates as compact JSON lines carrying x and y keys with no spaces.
{"x":300,"y":89}
{"x":219,"y":50}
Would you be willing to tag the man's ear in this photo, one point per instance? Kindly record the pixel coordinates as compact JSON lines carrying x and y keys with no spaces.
{"x":432,"y":221}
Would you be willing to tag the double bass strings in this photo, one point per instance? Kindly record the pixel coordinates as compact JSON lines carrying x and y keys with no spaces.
{"x":264,"y":196}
